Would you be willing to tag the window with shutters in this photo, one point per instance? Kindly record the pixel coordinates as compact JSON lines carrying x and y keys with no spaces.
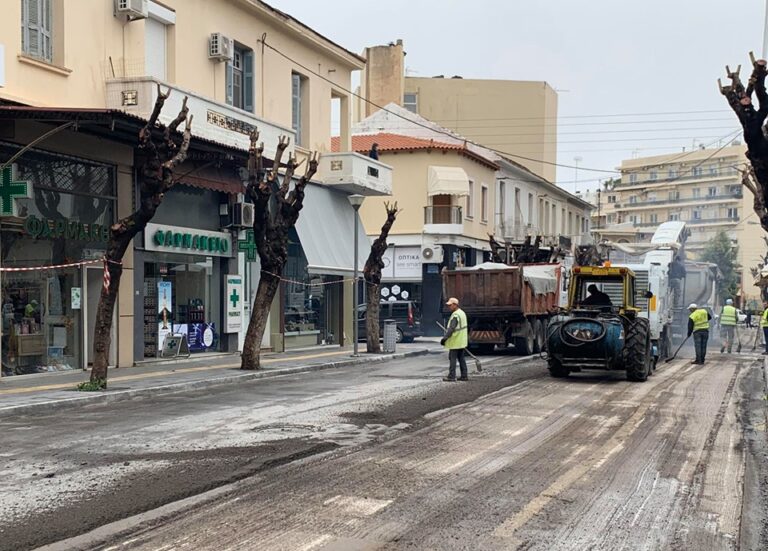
{"x":240,"y":79}
{"x":299,"y":107}
{"x":36,"y":24}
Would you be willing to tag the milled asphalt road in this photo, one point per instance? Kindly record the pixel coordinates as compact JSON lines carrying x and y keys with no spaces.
{"x":389,"y":457}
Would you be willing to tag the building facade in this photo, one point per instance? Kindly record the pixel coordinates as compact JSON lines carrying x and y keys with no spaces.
{"x":243,"y":66}
{"x":518,"y":118}
{"x":701,"y":188}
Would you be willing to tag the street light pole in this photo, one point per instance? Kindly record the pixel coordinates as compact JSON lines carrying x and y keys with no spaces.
{"x":356,"y":201}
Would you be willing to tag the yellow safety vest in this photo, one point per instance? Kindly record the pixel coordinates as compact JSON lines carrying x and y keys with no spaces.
{"x":459,"y":338}
{"x":764,"y":318}
{"x":729,"y":316}
{"x":700,"y":320}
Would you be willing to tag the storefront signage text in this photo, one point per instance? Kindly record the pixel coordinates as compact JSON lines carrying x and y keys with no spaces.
{"x":77,"y":231}
{"x":234,"y":298}
{"x":402,"y":263}
{"x":187,"y":240}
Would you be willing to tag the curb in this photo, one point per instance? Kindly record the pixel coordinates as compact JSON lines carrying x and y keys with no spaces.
{"x":173,"y":388}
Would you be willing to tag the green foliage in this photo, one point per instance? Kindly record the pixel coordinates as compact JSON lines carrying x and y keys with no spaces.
{"x":721,"y":251}
{"x":92,"y":386}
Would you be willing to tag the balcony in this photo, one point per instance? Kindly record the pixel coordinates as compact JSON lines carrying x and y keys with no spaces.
{"x":355,"y":173}
{"x":700,"y":221}
{"x":443,"y":220}
{"x":724,"y":197}
{"x":212,"y":120}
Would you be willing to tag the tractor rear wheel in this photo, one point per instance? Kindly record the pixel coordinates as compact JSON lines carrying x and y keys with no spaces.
{"x":637,"y":350}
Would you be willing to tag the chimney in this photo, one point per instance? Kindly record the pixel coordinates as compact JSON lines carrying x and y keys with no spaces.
{"x":383,"y":79}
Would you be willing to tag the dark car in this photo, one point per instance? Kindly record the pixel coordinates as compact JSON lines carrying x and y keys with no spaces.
{"x":404,"y":312}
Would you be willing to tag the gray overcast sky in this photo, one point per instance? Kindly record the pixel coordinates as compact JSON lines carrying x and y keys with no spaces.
{"x":605,"y":57}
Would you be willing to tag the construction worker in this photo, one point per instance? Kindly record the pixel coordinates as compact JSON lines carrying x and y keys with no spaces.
{"x":728,"y":319}
{"x":456,"y":340}
{"x":764,"y":324}
{"x":698,"y":326}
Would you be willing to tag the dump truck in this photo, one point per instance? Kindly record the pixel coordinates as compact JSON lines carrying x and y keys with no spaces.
{"x":506,"y":304}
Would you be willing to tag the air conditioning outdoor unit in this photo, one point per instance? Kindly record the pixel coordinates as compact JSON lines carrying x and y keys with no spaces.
{"x":432,"y":255}
{"x":243,"y":215}
{"x":220,"y":47}
{"x":134,"y":9}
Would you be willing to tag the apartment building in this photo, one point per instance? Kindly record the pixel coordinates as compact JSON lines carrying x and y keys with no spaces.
{"x":701,"y":188}
{"x":90,"y":70}
{"x":516,"y":117}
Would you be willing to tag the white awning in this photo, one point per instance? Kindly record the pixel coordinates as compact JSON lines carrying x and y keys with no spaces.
{"x":326,"y":228}
{"x":447,"y":180}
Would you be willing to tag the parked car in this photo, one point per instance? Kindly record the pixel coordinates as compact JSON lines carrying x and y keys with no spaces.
{"x":404,"y":312}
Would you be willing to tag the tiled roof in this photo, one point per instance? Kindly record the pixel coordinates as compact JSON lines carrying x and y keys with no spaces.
{"x":393,"y":142}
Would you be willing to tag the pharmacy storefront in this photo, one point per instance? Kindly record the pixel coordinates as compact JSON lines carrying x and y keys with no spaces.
{"x":56,"y":213}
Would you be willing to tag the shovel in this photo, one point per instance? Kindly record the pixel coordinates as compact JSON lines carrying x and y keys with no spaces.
{"x":478,"y":365}
{"x":678,"y":350}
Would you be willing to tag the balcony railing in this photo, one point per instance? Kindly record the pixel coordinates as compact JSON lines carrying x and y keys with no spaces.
{"x":442,"y":215}
{"x":653,"y":202}
{"x":355,"y":173}
{"x":691,"y":222}
{"x":213,"y":120}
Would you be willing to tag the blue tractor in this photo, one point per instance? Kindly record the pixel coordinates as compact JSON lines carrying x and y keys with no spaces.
{"x":601,"y":327}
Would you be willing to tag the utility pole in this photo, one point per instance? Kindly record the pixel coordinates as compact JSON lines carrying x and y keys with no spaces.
{"x":765,"y":33}
{"x":598,"y":207}
{"x":576,"y":161}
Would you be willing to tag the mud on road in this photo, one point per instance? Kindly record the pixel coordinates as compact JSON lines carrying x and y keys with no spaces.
{"x":85,"y":474}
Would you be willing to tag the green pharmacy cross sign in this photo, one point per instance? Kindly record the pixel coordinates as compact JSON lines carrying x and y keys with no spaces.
{"x":235,"y":298}
{"x":248,"y":245}
{"x":10,"y":190}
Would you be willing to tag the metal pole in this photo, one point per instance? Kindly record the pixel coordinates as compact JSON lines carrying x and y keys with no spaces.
{"x":765,"y":32}
{"x":354,"y":295}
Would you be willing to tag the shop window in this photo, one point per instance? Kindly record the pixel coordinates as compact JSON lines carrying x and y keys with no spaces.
{"x":66,"y":220}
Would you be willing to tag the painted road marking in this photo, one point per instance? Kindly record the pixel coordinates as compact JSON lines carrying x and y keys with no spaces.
{"x":60,"y":386}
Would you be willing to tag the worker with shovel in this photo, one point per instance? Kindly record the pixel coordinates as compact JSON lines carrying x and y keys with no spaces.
{"x":456,"y":340}
{"x":698,"y":326}
{"x":728,"y":319}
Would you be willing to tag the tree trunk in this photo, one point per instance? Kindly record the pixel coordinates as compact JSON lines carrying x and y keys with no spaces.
{"x":373,"y":300}
{"x":372,"y":275}
{"x":265,"y":294}
{"x":156,"y":179}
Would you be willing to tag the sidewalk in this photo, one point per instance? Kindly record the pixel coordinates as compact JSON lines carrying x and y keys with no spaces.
{"x":25,"y":394}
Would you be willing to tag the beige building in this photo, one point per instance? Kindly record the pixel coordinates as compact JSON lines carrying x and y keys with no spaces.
{"x":518,"y":118}
{"x":701,"y":188}
{"x":244,"y":65}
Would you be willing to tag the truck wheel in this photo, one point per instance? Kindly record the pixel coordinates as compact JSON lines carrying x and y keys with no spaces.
{"x":538,"y":335}
{"x":557,"y":370}
{"x":637,"y":350}
{"x":525,"y":345}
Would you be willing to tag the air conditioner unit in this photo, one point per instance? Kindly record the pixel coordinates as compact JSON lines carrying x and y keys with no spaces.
{"x":134,"y":9}
{"x":243,"y":215}
{"x":220,"y":47}
{"x":432,"y":255}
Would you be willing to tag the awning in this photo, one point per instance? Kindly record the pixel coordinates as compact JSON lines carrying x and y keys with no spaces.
{"x":447,"y":180}
{"x":326,"y":228}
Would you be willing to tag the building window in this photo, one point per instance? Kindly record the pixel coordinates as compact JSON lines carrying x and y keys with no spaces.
{"x":633,"y":219}
{"x":672,"y":173}
{"x":696,"y":215}
{"x":654,"y":218}
{"x":696,"y":193}
{"x":611,"y":198}
{"x":674,"y":195}
{"x":36,"y":24}
{"x":484,"y":203}
{"x":530,"y":209}
{"x":410,"y":102}
{"x":696,"y":171}
{"x":155,"y":48}
{"x":674,"y":217}
{"x":299,"y":114}
{"x":633,"y":178}
{"x":470,"y":201}
{"x":633,"y":199}
{"x":611,"y":218}
{"x":713,"y":170}
{"x":712,"y":192}
{"x":653,"y":175}
{"x":502,"y":206}
{"x":733,"y":213}
{"x":240,"y":79}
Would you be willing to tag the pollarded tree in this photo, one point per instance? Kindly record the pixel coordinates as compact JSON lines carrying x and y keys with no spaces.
{"x":372,"y":276}
{"x":159,"y":159}
{"x":753,"y":122}
{"x":277,"y":208}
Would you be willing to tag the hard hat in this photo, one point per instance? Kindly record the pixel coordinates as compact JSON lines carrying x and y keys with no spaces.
{"x":729,"y":301}
{"x":692,"y":306}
